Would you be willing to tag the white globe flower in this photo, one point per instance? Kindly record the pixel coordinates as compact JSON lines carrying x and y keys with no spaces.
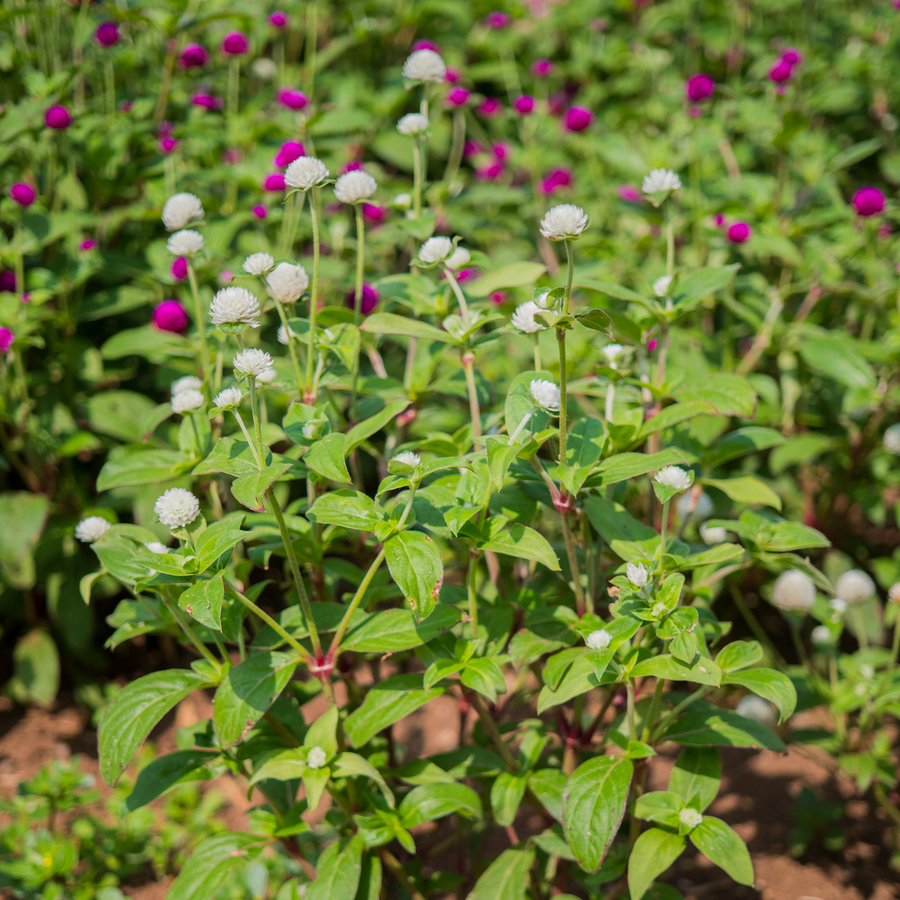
{"x":355,"y":186}
{"x":564,"y":222}
{"x":794,"y":591}
{"x":694,"y":509}
{"x":689,"y":817}
{"x":232,"y":308}
{"x":612,"y":352}
{"x":402,"y":201}
{"x":264,"y":68}
{"x":673,"y":477}
{"x":156,"y":547}
{"x":546,"y":394}
{"x":636,"y":574}
{"x":177,"y":507}
{"x":660,"y":181}
{"x":523,"y":319}
{"x":661,"y":285}
{"x":305,"y":173}
{"x":839,"y":606}
{"x":892,"y":440}
{"x":821,"y":635}
{"x":287,"y":282}
{"x":252,"y":362}
{"x":258,"y":263}
{"x":185,"y":401}
{"x":408,"y":458}
{"x":458,"y":258}
{"x":185,"y":243}
{"x":598,"y":640}
{"x":283,"y":334}
{"x":186,"y":383}
{"x":712,"y":534}
{"x":435,"y":249}
{"x":854,"y":586}
{"x":181,"y":210}
{"x":414,"y":123}
{"x":91,"y":529}
{"x":894,"y":593}
{"x":229,"y":398}
{"x":316,"y":758}
{"x":267,"y":376}
{"x":424,"y":65}
{"x":757,"y":709}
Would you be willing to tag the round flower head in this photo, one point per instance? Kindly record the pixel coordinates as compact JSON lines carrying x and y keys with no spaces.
{"x":193,"y":56}
{"x":457,"y":97}
{"x":258,"y":263}
{"x":712,"y":534}
{"x":854,"y":586}
{"x":892,"y":440}
{"x":699,"y":88}
{"x":235,"y":43}
{"x":180,"y":210}
{"x":598,"y":640}
{"x":287,"y":282}
{"x":690,"y":817}
{"x":267,"y":376}
{"x":435,"y":250}
{"x":738,"y":232}
{"x":414,"y":123}
{"x":229,"y":398}
{"x":91,"y":529}
{"x":408,"y":458}
{"x":355,"y":186}
{"x":316,"y":758}
{"x":564,"y":222}
{"x":274,"y":182}
{"x":545,"y":394}
{"x":58,"y":118}
{"x":794,"y":591}
{"x":156,"y":547}
{"x":186,"y":383}
{"x":524,"y":105}
{"x":252,"y":362}
{"x":636,"y":574}
{"x":839,"y":607}
{"x":821,"y":635}
{"x":458,"y":258}
{"x":107,"y":34}
{"x":612,"y":352}
{"x":523,"y":319}
{"x":792,"y":56}
{"x":283,"y":334}
{"x":22,"y":193}
{"x":757,"y":709}
{"x":868,"y":201}
{"x":578,"y":118}
{"x":7,"y":336}
{"x":541,"y":68}
{"x":186,"y":401}
{"x":291,"y":98}
{"x":306,"y":173}
{"x":781,"y":72}
{"x":185,"y":243}
{"x":673,"y":477}
{"x":694,"y":509}
{"x":660,"y":181}
{"x":370,"y":298}
{"x":278,"y":19}
{"x":662,"y":284}
{"x":289,"y":151}
{"x":259,"y":211}
{"x":177,"y":507}
{"x":233,"y":308}
{"x":424,"y":66}
{"x":894,"y":593}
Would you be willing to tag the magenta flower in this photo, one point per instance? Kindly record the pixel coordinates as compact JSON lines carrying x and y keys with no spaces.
{"x":235,"y":43}
{"x":6,"y":339}
{"x":497,"y":20}
{"x":868,"y":201}
{"x":578,"y":118}
{"x":57,"y":118}
{"x":719,"y":219}
{"x":167,"y":145}
{"x":490,"y":106}
{"x":426,"y":45}
{"x":370,"y":298}
{"x":457,"y":97}
{"x":555,"y":179}
{"x":884,"y":230}
{"x":792,"y":56}
{"x":193,"y":56}
{"x":524,"y":105}
{"x":179,"y":268}
{"x":292,"y":99}
{"x":453,"y":75}
{"x":164,"y":129}
{"x":8,"y":281}
{"x":498,"y":298}
{"x":471,"y":148}
{"x":353,"y":166}
{"x":290,"y":150}
{"x":259,"y":211}
{"x":206,"y":101}
{"x":170,"y":315}
{"x":22,"y":193}
{"x":699,"y":88}
{"x":629,"y":193}
{"x":87,"y":244}
{"x":107,"y":34}
{"x":541,"y":68}
{"x":489,"y":172}
{"x":651,"y":344}
{"x":278,"y":19}
{"x":467,"y":274}
{"x":126,"y":105}
{"x":274,"y":182}
{"x":781,"y":72}
{"x":374,"y":213}
{"x":739,"y":232}
{"x":501,"y":151}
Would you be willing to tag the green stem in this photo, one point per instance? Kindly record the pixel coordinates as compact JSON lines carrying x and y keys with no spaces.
{"x":654,"y":709}
{"x":471,"y":585}
{"x":335,"y":647}
{"x":357,"y":301}
{"x":417,"y":176}
{"x":200,"y":321}
{"x":663,"y":527}
{"x":460,"y":297}
{"x":575,"y":569}
{"x":755,"y":627}
{"x":313,"y":299}
{"x":250,"y":441}
{"x":312,"y":42}
{"x":291,"y":348}
{"x":860,"y":626}
{"x":110,"y":86}
{"x":254,"y":410}
{"x":561,"y":343}
{"x":272,"y":623}
{"x":468,"y":361}
{"x":186,"y":628}
{"x":670,"y":241}
{"x":677,"y":710}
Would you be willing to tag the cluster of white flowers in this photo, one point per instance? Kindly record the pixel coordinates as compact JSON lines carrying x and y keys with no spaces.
{"x":524,"y":320}
{"x":288,"y":282}
{"x":185,"y":243}
{"x":546,"y":395}
{"x":177,"y":507}
{"x":598,"y":640}
{"x":854,"y":586}
{"x":435,"y":250}
{"x":91,"y":529}
{"x":305,"y":173}
{"x":408,"y":458}
{"x":355,"y":186}
{"x":258,"y":263}
{"x":673,"y":477}
{"x":794,"y":591}
{"x":564,"y":222}
{"x":252,"y":362}
{"x":185,"y":401}
{"x":186,"y":383}
{"x":414,"y":123}
{"x":234,"y":306}
{"x":180,"y":210}
{"x":229,"y":398}
{"x":424,"y":66}
{"x":660,"y":181}
{"x":636,"y":574}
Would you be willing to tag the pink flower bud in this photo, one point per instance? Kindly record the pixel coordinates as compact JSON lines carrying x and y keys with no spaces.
{"x":555,"y":179}
{"x":8,"y":281}
{"x":541,"y":68}
{"x":206,"y":101}
{"x":370,"y":298}
{"x":456,"y":97}
{"x":719,"y":219}
{"x":179,"y":268}
{"x":6,"y":339}
{"x":87,"y":244}
{"x":167,"y":145}
{"x":231,"y":156}
{"x":235,"y":43}
{"x":497,"y":20}
{"x":278,"y":19}
{"x":472,"y":148}
{"x":259,"y":211}
{"x":651,"y":344}
{"x":490,"y":106}
{"x":193,"y":56}
{"x":578,"y":118}
{"x":524,"y":105}
{"x":501,"y":151}
{"x":453,"y":75}
{"x":781,"y":72}
{"x":699,"y":88}
{"x":373,"y":213}
{"x":107,"y":34}
{"x":489,"y":172}
{"x":22,"y":193}
{"x":170,"y":315}
{"x":290,"y":150}
{"x":868,"y":201}
{"x":274,"y":182}
{"x":498,"y":297}
{"x":739,"y":232}
{"x":792,"y":56}
{"x":629,"y":193}
{"x":292,"y":99}
{"x":57,"y":118}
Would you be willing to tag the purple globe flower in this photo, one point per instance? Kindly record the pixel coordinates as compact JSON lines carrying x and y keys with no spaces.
{"x":541,"y":68}
{"x":374,"y":213}
{"x":555,"y":179}
{"x":457,"y":97}
{"x":87,"y":245}
{"x":490,"y":172}
{"x":292,"y":99}
{"x":179,"y":268}
{"x":259,"y":211}
{"x":353,"y":166}
{"x":290,"y":150}
{"x":235,"y":43}
{"x":578,"y":118}
{"x":781,"y":72}
{"x":278,"y":19}
{"x":453,"y":75}
{"x":22,"y":193}
{"x":274,"y":182}
{"x":524,"y":105}
{"x":370,"y":298}
{"x":497,"y":20}
{"x":490,"y":106}
{"x":6,"y":339}
{"x":57,"y":118}
{"x":629,"y":193}
{"x":426,"y":45}
{"x":699,"y":88}
{"x":193,"y":56}
{"x":167,"y":145}
{"x":107,"y":34}
{"x":792,"y":56}
{"x":868,"y":201}
{"x":206,"y":101}
{"x":8,"y":281}
{"x":170,"y":315}
{"x":739,"y":232}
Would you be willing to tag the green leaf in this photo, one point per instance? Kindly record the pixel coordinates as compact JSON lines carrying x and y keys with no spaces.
{"x":247,"y":692}
{"x":548,"y":786}
{"x":836,"y":355}
{"x":506,"y":877}
{"x":203,"y":602}
{"x":672,"y":415}
{"x":749,"y":439}
{"x":713,"y":838}
{"x":35,"y":668}
{"x":696,"y":776}
{"x":326,"y":458}
{"x":500,"y":454}
{"x":119,"y":414}
{"x":23,"y":516}
{"x":854,"y":153}
{"x":349,"y":509}
{"x":485,"y":676}
{"x":629,"y":465}
{"x":385,"y":703}
{"x":166,"y":771}
{"x":653,"y":852}
{"x":625,"y":535}
{"x":211,"y":864}
{"x":135,"y":710}
{"x":593,"y":806}
{"x":415,"y":565}
{"x":721,"y":728}
{"x":507,"y":792}
{"x":774,"y":686}
{"x":578,"y":679}
{"x":739,"y":655}
{"x":428,"y":802}
{"x":219,"y":538}
{"x":522,"y":542}
{"x":125,"y":467}
{"x":622,"y":293}
{"x":704,"y":671}
{"x":596,"y":320}
{"x":323,"y":732}
{"x":389,"y":323}
{"x":513,"y":275}
{"x":350,"y":765}
{"x":249,"y":489}
{"x":338,"y":871}
{"x":728,"y":394}
{"x":745,"y":489}
{"x":785,"y":537}
{"x":393,"y":630}
{"x":365,"y":429}
{"x":704,"y":281}
{"x":520,"y":403}
{"x":229,"y":456}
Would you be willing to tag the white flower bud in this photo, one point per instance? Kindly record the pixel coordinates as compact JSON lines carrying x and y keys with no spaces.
{"x":177,"y":507}
{"x":186,"y":383}
{"x":598,"y":640}
{"x":258,"y":263}
{"x":435,"y":250}
{"x":283,"y":334}
{"x":894,"y":593}
{"x":694,"y":509}
{"x":229,"y":398}
{"x":758,"y":710}
{"x":252,"y":362}
{"x":288,"y":282}
{"x":673,"y":477}
{"x":458,"y":258}
{"x":425,"y":65}
{"x":892,"y":440}
{"x":821,"y":636}
{"x":185,"y":243}
{"x":414,"y":123}
{"x":660,"y":180}
{"x":156,"y":547}
{"x":689,"y":817}
{"x":91,"y":529}
{"x":839,"y":606}
{"x":612,"y":352}
{"x":408,"y":458}
{"x":661,"y":285}
{"x":854,"y":586}
{"x":523,"y":319}
{"x":546,"y":395}
{"x":712,"y":534}
{"x":794,"y":591}
{"x":316,"y":758}
{"x":180,"y":210}
{"x":564,"y":222}
{"x":267,"y":376}
{"x":355,"y":186}
{"x":305,"y":173}
{"x":234,"y":307}
{"x":402,"y":201}
{"x":186,"y":401}
{"x":636,"y":574}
